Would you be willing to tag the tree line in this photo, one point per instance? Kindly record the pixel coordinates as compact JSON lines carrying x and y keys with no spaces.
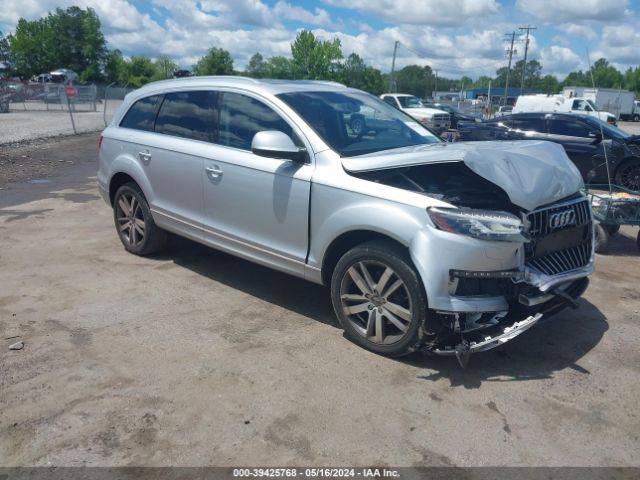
{"x":72,"y":38}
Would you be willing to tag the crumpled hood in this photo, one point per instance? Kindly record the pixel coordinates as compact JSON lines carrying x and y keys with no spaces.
{"x":531,"y":172}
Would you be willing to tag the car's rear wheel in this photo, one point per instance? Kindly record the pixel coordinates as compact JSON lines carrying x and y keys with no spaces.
{"x":628,"y":175}
{"x":379,"y":299}
{"x":135,"y":226}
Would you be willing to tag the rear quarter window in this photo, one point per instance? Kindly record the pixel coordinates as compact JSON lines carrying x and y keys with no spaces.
{"x":142,"y":114}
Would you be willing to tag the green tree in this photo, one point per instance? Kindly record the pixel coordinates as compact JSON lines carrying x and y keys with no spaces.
{"x":355,"y":73}
{"x":217,"y":61}
{"x":138,"y":70}
{"x":314,"y":59}
{"x":606,"y":75}
{"x":5,"y":55}
{"x":416,"y":80}
{"x":114,"y":68}
{"x":279,"y":67}
{"x":257,"y":67}
{"x":632,"y":79}
{"x":165,"y":68}
{"x":69,"y":38}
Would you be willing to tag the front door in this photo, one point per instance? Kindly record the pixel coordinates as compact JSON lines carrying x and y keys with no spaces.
{"x":255,"y":207}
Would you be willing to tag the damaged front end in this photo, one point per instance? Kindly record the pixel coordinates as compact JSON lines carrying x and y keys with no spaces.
{"x":492,"y":267}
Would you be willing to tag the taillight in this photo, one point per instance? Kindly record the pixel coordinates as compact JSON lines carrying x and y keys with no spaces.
{"x":100,"y":142}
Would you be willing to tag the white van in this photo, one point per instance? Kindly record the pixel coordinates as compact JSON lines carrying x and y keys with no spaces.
{"x":560,"y":103}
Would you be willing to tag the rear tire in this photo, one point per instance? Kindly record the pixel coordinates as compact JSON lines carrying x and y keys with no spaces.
{"x":612,"y":229}
{"x":379,"y":299}
{"x":628,"y":175}
{"x":602,"y":238}
{"x":136,"y":228}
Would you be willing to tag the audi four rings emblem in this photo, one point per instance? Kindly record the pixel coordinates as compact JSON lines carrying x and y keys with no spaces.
{"x":562,"y":219}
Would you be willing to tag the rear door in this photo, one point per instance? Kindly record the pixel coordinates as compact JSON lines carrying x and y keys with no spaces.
{"x":254,"y":206}
{"x":175,"y":160}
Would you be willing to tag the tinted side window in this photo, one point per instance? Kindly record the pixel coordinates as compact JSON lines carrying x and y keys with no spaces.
{"x":142,"y":114}
{"x":569,"y":128}
{"x":241,"y":117}
{"x":535,"y":124}
{"x":187,"y":115}
{"x":391,"y":101}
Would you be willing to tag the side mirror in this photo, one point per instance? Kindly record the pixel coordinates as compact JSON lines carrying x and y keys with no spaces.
{"x":276,"y":144}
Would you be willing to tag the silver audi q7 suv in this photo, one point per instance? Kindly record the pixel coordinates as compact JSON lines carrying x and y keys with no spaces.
{"x":450,"y":248}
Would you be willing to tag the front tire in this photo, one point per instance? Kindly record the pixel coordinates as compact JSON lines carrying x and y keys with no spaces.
{"x":136,"y":229}
{"x":601,"y":237}
{"x":379,"y":299}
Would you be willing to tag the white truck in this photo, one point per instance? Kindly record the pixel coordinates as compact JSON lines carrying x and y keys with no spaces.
{"x":436,"y":120}
{"x":561,"y":103}
{"x":622,"y":103}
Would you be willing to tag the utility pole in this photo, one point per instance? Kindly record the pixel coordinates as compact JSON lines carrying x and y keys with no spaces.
{"x":506,"y":87}
{"x":393,"y":66}
{"x":435,"y":88}
{"x":526,"y":48}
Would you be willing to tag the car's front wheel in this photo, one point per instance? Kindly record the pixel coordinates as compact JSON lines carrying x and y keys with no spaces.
{"x":135,"y":226}
{"x":379,"y":299}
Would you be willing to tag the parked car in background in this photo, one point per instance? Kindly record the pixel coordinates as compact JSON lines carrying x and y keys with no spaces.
{"x":455,"y":115}
{"x":64,"y":75}
{"x":433,"y":118}
{"x":621,"y":103}
{"x":424,"y":245}
{"x":503,"y":110}
{"x":580,"y":135}
{"x":560,"y":103}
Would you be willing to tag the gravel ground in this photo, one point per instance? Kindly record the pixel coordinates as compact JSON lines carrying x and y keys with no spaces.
{"x":35,"y":160}
{"x":195,"y":358}
{"x":36,"y":123}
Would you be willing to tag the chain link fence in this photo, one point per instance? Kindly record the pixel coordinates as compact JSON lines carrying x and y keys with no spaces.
{"x":30,"y":110}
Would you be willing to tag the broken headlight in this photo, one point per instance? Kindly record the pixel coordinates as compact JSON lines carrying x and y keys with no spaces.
{"x":482,"y":224}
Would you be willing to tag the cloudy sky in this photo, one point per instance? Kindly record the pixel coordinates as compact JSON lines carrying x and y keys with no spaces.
{"x":457,"y":37}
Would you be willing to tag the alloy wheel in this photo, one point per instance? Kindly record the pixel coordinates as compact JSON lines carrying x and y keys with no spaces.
{"x":130,"y":220}
{"x":376,"y":301}
{"x":630,"y":176}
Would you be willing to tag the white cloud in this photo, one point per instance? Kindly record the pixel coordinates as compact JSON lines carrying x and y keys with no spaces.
{"x":559,"y":61}
{"x":425,"y":12}
{"x":293,"y":12}
{"x":579,"y":30}
{"x":574,"y":10}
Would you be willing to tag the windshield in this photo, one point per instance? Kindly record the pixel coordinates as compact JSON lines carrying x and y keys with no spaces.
{"x":609,"y":130}
{"x":593,"y":105}
{"x":356,"y":123}
{"x":410,"y":102}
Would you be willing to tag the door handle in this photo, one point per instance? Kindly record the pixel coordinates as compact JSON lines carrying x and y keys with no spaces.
{"x":214,"y":172}
{"x":145,"y":156}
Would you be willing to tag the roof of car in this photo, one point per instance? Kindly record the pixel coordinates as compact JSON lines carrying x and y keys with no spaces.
{"x":268,"y":86}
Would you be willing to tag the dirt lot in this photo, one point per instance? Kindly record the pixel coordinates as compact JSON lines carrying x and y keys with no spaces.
{"x":198,"y":358}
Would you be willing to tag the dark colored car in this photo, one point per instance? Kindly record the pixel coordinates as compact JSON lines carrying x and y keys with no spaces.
{"x":455,"y":114}
{"x":584,"y":139}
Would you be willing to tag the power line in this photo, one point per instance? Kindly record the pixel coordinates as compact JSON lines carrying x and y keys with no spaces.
{"x":506,"y":88}
{"x":526,"y":49}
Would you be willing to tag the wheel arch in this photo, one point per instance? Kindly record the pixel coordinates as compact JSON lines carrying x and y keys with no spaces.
{"x":345,"y":242}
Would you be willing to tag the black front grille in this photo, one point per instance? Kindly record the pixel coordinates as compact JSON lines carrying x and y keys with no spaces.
{"x":561,"y":237}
